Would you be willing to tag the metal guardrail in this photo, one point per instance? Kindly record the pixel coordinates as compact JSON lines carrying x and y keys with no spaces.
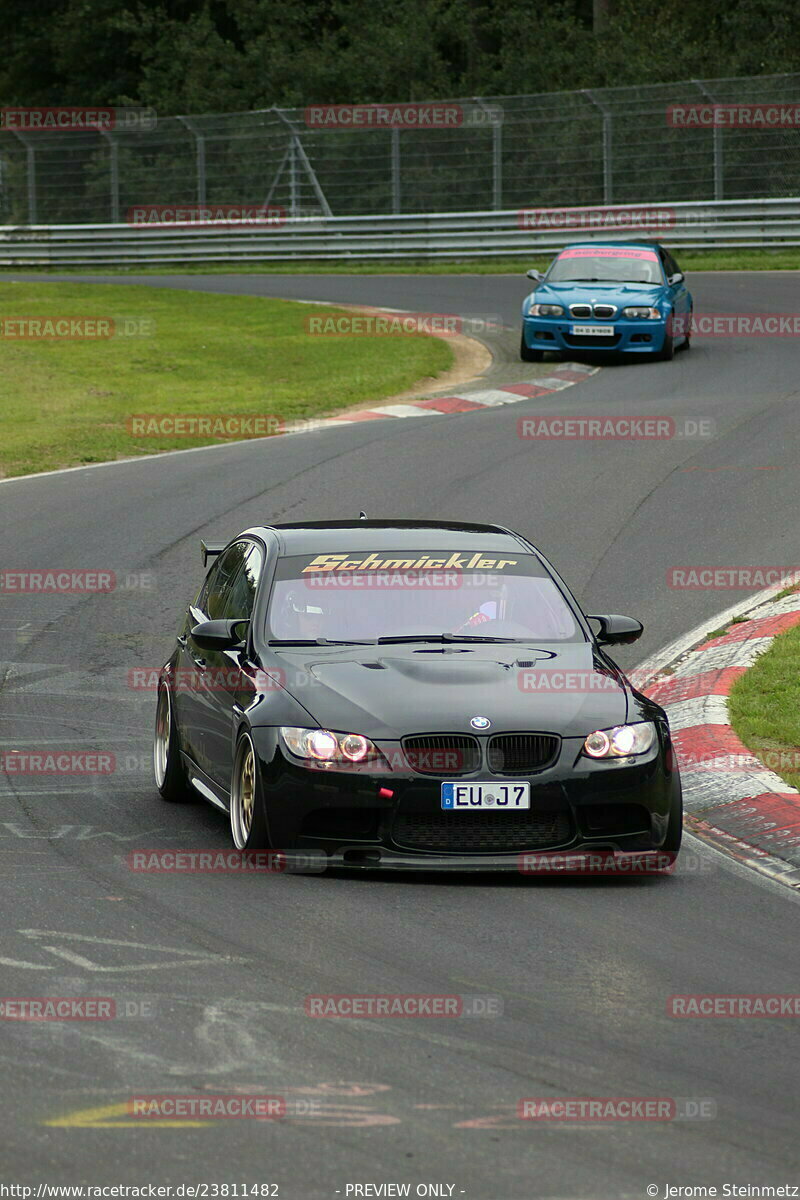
{"x":724,"y":225}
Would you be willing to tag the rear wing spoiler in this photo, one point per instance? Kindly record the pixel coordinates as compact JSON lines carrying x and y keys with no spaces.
{"x":211,"y":550}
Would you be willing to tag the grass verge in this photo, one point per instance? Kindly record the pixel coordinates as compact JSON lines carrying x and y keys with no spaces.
{"x":765,"y":707}
{"x":711,"y":260}
{"x":65,"y":402}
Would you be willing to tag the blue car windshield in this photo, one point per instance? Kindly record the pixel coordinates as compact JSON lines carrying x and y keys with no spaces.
{"x":605,"y":266}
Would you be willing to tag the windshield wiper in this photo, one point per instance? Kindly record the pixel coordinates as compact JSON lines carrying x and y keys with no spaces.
{"x":440,"y":637}
{"x":318,"y":642}
{"x":478,"y":637}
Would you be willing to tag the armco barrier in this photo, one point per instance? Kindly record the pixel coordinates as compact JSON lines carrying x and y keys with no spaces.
{"x":727,"y":224}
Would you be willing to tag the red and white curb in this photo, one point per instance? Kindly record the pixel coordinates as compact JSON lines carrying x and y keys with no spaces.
{"x":564,"y":376}
{"x":728,"y":792}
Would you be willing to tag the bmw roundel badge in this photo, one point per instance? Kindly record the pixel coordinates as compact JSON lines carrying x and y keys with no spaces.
{"x":480,"y":722}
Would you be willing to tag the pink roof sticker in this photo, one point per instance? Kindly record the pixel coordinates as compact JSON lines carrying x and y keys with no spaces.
{"x":609,"y":252}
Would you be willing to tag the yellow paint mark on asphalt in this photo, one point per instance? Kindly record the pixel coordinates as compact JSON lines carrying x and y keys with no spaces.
{"x":96,"y":1118}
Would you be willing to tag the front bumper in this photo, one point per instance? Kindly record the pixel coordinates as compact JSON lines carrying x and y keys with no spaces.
{"x":367,"y":819}
{"x":555,"y":333}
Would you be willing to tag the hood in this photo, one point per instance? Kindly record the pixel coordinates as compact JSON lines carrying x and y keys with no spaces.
{"x":387,"y":692}
{"x":621,"y":294}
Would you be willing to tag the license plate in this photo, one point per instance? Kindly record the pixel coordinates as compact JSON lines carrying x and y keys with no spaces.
{"x":471,"y":796}
{"x":593,"y":330}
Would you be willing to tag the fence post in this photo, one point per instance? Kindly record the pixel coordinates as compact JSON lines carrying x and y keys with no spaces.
{"x":608,"y":132}
{"x":113,"y":150}
{"x":293,"y":176}
{"x":497,"y":165}
{"x":30,"y":155}
{"x":396,"y":196}
{"x":716,"y":141}
{"x":200,"y":160}
{"x":497,"y":154}
{"x":295,"y":152}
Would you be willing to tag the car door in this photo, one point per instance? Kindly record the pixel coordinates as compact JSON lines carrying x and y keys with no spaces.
{"x":230,"y":674}
{"x":679,"y":296}
{"x":193,"y":696}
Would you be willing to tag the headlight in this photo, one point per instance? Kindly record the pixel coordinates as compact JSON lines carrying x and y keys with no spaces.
{"x":324,"y":746}
{"x":642,"y":314}
{"x":620,"y":741}
{"x":545,"y":310}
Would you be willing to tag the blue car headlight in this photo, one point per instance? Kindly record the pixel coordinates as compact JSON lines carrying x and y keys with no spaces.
{"x":545,"y":310}
{"x":620,"y":741}
{"x":640,"y":313}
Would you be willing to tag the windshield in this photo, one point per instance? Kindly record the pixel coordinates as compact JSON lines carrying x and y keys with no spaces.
{"x":598,"y":264}
{"x":387,"y":594}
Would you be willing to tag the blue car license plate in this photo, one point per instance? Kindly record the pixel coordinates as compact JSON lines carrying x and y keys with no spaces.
{"x":467,"y":797}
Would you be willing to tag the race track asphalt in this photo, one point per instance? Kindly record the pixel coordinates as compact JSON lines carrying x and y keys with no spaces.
{"x":584,"y":968}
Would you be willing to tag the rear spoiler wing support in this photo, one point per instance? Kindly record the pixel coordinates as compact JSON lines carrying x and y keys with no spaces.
{"x":211,"y":550}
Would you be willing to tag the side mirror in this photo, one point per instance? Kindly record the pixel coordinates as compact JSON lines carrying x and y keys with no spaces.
{"x":675,"y":279}
{"x":537,"y":275}
{"x":616,"y":630}
{"x":219,"y":635}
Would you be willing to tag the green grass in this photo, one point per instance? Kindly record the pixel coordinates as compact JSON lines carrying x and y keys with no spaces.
{"x":65,"y":402}
{"x":765,"y":707}
{"x":716,"y":633}
{"x":704,"y":260}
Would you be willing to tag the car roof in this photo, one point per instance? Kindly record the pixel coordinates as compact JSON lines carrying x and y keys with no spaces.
{"x":612,"y":244}
{"x":307,"y":537}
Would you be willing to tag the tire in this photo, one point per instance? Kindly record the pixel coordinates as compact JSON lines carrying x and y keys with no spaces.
{"x":168,"y":766}
{"x":672,"y":842}
{"x":686,"y":344}
{"x":528,"y":355}
{"x":248,"y":810}
{"x":668,"y":349}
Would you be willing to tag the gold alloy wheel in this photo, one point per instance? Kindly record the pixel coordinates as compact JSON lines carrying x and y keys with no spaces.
{"x":243,"y":794}
{"x":162,"y":736}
